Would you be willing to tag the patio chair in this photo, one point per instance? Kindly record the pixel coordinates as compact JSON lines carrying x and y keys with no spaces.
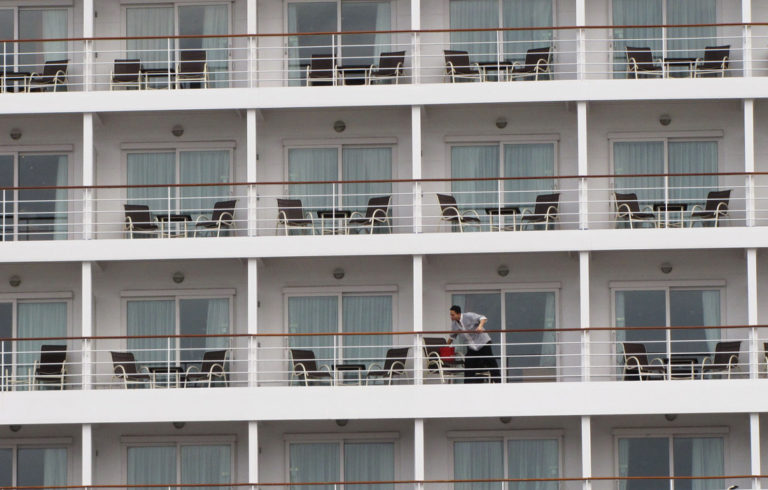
{"x":390,"y":68}
{"x":304,"y":367}
{"x":124,"y":369}
{"x":636,"y":365}
{"x":537,"y":61}
{"x":126,"y":73}
{"x":449,"y":212}
{"x":544,"y":211}
{"x":291,"y":215}
{"x":394,"y":365}
{"x":458,"y":67}
{"x":376,"y":212}
{"x":436,"y":364}
{"x":715,"y":209}
{"x":715,"y":61}
{"x":212,"y":367}
{"x":223,"y":216}
{"x":52,"y":366}
{"x":640,"y":62}
{"x":192,"y":67}
{"x":628,"y":208}
{"x":321,"y":70}
{"x":724,"y":360}
{"x":138,"y":220}
{"x":54,"y":74}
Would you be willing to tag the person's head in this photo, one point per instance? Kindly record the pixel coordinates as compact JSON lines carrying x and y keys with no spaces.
{"x":455,"y":313}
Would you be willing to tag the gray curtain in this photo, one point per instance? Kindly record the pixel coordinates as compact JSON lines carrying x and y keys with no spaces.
{"x":314,"y":462}
{"x":475,"y":14}
{"x":475,"y":161}
{"x":313,"y":164}
{"x":361,"y":314}
{"x":207,"y":20}
{"x":533,"y":458}
{"x":151,"y":317}
{"x":528,"y":160}
{"x":152,"y":465}
{"x":526,"y":13}
{"x":365,"y":164}
{"x":478,"y":460}
{"x":152,"y":168}
{"x":637,"y":13}
{"x":151,"y":21}
{"x":692,"y":157}
{"x":314,"y":314}
{"x":369,"y":461}
{"x":206,"y":464}
{"x":640,"y":157}
{"x":38,"y":320}
{"x":689,"y":42}
{"x":197,"y":167}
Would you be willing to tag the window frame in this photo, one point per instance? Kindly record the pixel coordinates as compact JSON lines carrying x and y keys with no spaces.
{"x":18,"y":5}
{"x":14,"y":444}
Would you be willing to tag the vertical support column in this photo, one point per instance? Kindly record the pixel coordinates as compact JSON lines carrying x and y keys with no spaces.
{"x":253,"y":324}
{"x":584,"y":315}
{"x":418,"y":316}
{"x":88,"y":13}
{"x":581,"y":39}
{"x":749,"y":160}
{"x":88,"y":173}
{"x":253,"y":454}
{"x":581,"y":117}
{"x":86,"y":307}
{"x":746,"y":18}
{"x":586,"y":450}
{"x":416,"y":167}
{"x":754,"y":448}
{"x":416,"y":41}
{"x":251,"y":156}
{"x":252,"y":27}
{"x":752,"y":316}
{"x":86,"y":455}
{"x":418,"y":453}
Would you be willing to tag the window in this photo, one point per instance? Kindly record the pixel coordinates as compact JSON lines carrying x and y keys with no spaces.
{"x":33,"y":466}
{"x":355,"y":460}
{"x":185,"y":463}
{"x":674,"y":307}
{"x":489,"y":14}
{"x":34,"y":213}
{"x":341,"y":163}
{"x":677,"y":42}
{"x":33,"y":23}
{"x":670,"y":455}
{"x":28,"y":319}
{"x":501,"y":160}
{"x":666,"y":156}
{"x":177,"y":316}
{"x":506,"y":458}
{"x":531,"y":350}
{"x":183,"y":20}
{"x":354,"y":49}
{"x":342,"y":313}
{"x":182,"y":167}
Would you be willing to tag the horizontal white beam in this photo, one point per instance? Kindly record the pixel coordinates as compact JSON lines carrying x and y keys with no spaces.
{"x":384,"y":402}
{"x":395,"y":244}
{"x":385,"y":95}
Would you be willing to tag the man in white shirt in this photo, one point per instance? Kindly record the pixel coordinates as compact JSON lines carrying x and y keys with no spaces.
{"x":479,"y":357}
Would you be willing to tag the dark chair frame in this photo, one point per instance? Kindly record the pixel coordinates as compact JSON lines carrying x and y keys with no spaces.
{"x":458,"y":66}
{"x":394,"y":365}
{"x":725,"y":359}
{"x":714,"y":62}
{"x":213,"y":366}
{"x":304,"y":366}
{"x":377,"y":211}
{"x":54,"y":74}
{"x":640,"y":61}
{"x":636,"y":359}
{"x":449,"y":212}
{"x":390,"y":67}
{"x":192,"y":67}
{"x":52,"y":366}
{"x":290,"y":214}
{"x":126,"y":73}
{"x":545,"y":210}
{"x":124,"y":368}
{"x":138,"y":220}
{"x":223,"y":216}
{"x":715,"y":209}
{"x":627,"y":207}
{"x":321,"y":70}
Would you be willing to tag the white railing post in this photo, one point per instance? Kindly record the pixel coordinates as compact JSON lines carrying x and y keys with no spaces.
{"x":415,"y":41}
{"x":252,"y":27}
{"x":418,"y":319}
{"x":86,"y":306}
{"x":746,"y":55}
{"x":749,"y":160}
{"x":583,"y":166}
{"x":4,"y":201}
{"x":168,"y":215}
{"x":253,"y":324}
{"x":416,"y":167}
{"x":169,"y":55}
{"x":88,"y":14}
{"x":584,"y":317}
{"x":581,"y":39}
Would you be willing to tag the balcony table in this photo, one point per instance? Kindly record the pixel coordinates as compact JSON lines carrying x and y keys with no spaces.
{"x":15,"y":81}
{"x":352,"y":74}
{"x":340,"y":368}
{"x":666,"y":209}
{"x":177,"y":372}
{"x":500,"y":67}
{"x":336,"y":218}
{"x":690,"y":63}
{"x":155,"y":73}
{"x":501,"y":212}
{"x":681,"y":366}
{"x":167,"y":219}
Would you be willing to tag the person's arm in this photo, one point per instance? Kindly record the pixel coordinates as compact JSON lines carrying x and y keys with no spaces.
{"x":483,"y":321}
{"x":452,"y":336}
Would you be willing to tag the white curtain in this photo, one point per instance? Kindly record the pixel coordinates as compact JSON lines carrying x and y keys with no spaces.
{"x":314,"y":462}
{"x":205,"y":464}
{"x":526,"y":13}
{"x":365,"y":314}
{"x":41,"y":467}
{"x":710,"y":301}
{"x":152,"y":168}
{"x":314,"y":314}
{"x":217,"y":323}
{"x":55,"y":467}
{"x":640,"y":157}
{"x":365,"y":164}
{"x":478,"y":460}
{"x":637,"y":13}
{"x":690,"y":41}
{"x":479,"y":162}
{"x":200,"y":167}
{"x":216,"y":21}
{"x":692,"y":157}
{"x":152,"y":465}
{"x":528,"y":160}
{"x":38,"y":320}
{"x":383,"y":23}
{"x":309,"y":17}
{"x":313,"y":164}
{"x":533,"y":458}
{"x":61,"y":204}
{"x":151,"y":317}
{"x":706,"y":460}
{"x":475,"y":14}
{"x":150,"y":21}
{"x":55,"y":27}
{"x":369,"y":461}
{"x":549,"y":338}
{"x":42,"y":24}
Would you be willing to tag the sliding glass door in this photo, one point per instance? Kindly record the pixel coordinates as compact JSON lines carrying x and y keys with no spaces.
{"x":196,"y":465}
{"x":155,"y":53}
{"x":40,"y":23}
{"x":35,"y":466}
{"x":7,"y":49}
{"x":315,"y":462}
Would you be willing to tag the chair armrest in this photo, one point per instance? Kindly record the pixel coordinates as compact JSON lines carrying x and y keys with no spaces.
{"x":399,"y":68}
{"x":449,"y":68}
{"x":223,"y":220}
{"x":396,"y":364}
{"x":697,"y":207}
{"x":470,"y":211}
{"x":648,"y":209}
{"x":191,"y":369}
{"x":216,"y":366}
{"x":378,"y":367}
{"x":661,"y":363}
{"x":631,"y":63}
{"x":60,"y":72}
{"x":300,"y":368}
{"x":281,"y":217}
{"x":34,"y":366}
{"x":704,"y":363}
{"x":539,"y":64}
{"x":722,"y":208}
{"x":34,"y":75}
{"x":200,"y":218}
{"x":526,"y":211}
{"x":622,"y":210}
{"x":379,"y":212}
{"x":443,"y":210}
{"x":551,"y":211}
{"x":356,"y":214}
{"x":733,"y":360}
{"x":326,"y":368}
{"x":118,"y":371}
{"x":632,"y":360}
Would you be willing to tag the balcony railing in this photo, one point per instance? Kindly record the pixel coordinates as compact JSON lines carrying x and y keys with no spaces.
{"x":381,"y":358}
{"x":390,"y":57}
{"x":381,"y":207}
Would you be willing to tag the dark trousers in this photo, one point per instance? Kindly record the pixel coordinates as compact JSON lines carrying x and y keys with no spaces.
{"x":481,"y":361}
